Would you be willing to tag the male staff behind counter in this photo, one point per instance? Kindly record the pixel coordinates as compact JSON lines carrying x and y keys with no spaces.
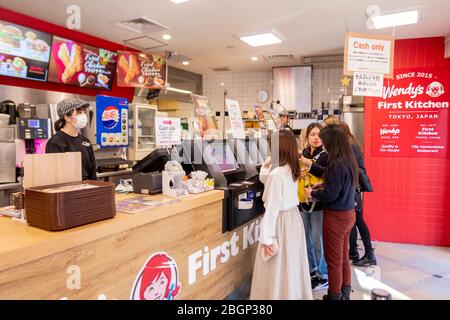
{"x":73,"y":118}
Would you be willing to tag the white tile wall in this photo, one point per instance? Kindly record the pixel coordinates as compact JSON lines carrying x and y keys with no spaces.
{"x":327,"y":87}
{"x":244,"y":86}
{"x":241,"y":86}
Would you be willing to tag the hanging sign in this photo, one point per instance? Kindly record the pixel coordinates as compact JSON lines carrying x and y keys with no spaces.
{"x":367,"y":84}
{"x":369,"y":53}
{"x":112,"y":121}
{"x":206,"y":123}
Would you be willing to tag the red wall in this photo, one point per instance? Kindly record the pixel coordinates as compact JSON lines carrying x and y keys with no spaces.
{"x":411,"y":199}
{"x":31,"y":22}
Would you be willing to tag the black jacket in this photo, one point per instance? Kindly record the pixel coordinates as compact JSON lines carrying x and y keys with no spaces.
{"x":364,"y":180}
{"x":317,"y":169}
{"x":339,"y":191}
{"x":62,"y":142}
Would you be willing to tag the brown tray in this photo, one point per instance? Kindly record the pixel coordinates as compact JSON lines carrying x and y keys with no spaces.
{"x":59,"y":210}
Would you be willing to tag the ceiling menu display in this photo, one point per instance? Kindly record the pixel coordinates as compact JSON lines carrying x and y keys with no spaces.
{"x":136,"y":69}
{"x":24,"y":52}
{"x":81,"y":65}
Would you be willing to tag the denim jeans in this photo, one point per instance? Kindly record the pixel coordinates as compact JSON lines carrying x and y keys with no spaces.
{"x":313,"y":222}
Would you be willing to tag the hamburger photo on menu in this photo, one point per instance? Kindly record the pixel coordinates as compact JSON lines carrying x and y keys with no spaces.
{"x":24,"y":52}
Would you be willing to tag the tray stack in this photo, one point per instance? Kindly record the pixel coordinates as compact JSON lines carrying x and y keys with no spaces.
{"x":63,"y":206}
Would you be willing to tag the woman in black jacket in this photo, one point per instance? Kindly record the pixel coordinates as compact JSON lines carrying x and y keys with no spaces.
{"x":364,"y":186}
{"x":338,"y":200}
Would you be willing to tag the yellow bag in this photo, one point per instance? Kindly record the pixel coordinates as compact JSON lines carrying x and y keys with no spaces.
{"x":309,"y":180}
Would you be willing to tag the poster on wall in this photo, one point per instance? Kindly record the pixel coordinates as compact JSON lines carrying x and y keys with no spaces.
{"x":369,"y":53}
{"x":24,"y":52}
{"x":205,"y":122}
{"x":235,"y":118}
{"x":411,"y":118}
{"x":81,"y":65}
{"x":168,"y":131}
{"x":112,"y":121}
{"x":261,"y":117}
{"x":135,"y":69}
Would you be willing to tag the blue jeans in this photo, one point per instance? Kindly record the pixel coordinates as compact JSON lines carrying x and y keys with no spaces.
{"x":313,"y":222}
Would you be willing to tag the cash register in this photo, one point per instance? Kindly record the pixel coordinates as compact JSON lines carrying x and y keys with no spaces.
{"x":243,"y":190}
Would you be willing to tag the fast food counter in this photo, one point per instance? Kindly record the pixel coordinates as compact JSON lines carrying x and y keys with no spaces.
{"x":111,"y":259}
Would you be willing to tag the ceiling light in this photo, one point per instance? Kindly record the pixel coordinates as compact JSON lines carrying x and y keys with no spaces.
{"x":254,"y":58}
{"x":222,"y":84}
{"x":262,"y":39}
{"x":395,"y":19}
{"x":167,"y":37}
{"x":178,"y":90}
{"x":186,"y":63}
{"x":179,"y":1}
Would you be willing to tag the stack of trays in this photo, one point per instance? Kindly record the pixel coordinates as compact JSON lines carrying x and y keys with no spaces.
{"x":63,"y":206}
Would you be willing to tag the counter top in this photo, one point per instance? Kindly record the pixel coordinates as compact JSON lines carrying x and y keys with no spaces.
{"x":21,"y":243}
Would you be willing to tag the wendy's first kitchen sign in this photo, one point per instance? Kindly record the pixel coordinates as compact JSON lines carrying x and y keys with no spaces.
{"x":411,"y":118}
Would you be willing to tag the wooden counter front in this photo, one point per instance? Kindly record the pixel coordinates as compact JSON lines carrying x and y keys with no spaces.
{"x":105,"y":258}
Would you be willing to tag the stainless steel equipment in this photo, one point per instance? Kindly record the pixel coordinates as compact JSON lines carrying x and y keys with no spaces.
{"x":7,"y":154}
{"x":353,"y":115}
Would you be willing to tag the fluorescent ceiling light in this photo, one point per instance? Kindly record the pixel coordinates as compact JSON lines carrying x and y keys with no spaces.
{"x":179,"y":1}
{"x":263,"y":39}
{"x":186,"y":63}
{"x":254,"y":58}
{"x":222,"y":84}
{"x":395,"y":19}
{"x":167,"y":37}
{"x":178,"y":90}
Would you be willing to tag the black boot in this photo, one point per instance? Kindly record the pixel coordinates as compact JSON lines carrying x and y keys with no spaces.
{"x":367,"y":260}
{"x":354,"y":256}
{"x":332,"y":296}
{"x":346,"y":290}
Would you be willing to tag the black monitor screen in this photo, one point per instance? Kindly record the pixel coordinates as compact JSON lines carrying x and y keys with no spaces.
{"x":153,"y":162}
{"x":220,"y":155}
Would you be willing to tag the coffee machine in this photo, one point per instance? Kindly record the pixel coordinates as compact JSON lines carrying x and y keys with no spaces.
{"x":34,"y":127}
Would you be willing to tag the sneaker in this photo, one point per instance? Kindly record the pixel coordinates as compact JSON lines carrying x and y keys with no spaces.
{"x":320,"y":284}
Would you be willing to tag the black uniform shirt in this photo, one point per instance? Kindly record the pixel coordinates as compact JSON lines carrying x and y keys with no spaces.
{"x":62,"y":142}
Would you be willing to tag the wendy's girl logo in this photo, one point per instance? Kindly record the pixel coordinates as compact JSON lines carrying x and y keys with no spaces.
{"x":110,"y":117}
{"x":157,"y":280}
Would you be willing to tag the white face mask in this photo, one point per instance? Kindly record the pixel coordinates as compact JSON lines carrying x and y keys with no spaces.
{"x":81,"y":121}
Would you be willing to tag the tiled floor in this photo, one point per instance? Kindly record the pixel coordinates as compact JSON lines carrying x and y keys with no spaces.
{"x":406,"y":271}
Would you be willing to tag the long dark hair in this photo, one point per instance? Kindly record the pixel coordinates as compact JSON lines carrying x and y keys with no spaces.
{"x":351,"y":138}
{"x":338,"y":148}
{"x":287,"y":151}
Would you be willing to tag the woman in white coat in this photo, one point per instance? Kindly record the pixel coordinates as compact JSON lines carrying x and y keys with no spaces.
{"x":282,"y":274}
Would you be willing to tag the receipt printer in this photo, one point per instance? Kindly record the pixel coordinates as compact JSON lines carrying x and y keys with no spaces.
{"x":147,"y":183}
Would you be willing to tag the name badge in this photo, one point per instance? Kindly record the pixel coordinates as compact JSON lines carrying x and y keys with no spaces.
{"x":86,"y":144}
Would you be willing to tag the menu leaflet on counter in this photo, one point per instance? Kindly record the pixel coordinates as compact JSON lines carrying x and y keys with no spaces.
{"x":235,"y":118}
{"x":81,"y":65}
{"x":24,"y":52}
{"x":411,"y":118}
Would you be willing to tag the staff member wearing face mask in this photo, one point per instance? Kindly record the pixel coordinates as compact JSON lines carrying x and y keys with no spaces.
{"x":73,"y":118}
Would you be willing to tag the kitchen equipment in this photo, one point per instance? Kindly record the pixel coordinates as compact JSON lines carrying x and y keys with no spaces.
{"x":9,"y":107}
{"x":7,"y":154}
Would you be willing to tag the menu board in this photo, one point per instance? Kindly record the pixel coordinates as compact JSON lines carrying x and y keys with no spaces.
{"x":81,"y":65}
{"x":411,"y":118}
{"x":136,"y":69}
{"x":24,"y":52}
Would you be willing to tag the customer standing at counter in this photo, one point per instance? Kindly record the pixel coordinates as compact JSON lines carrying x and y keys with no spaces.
{"x":313,"y":162}
{"x":338,"y":200}
{"x":73,"y":118}
{"x":284,"y":275}
{"x":364,"y":186}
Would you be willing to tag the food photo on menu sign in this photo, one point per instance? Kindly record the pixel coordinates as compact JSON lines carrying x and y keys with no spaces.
{"x":81,"y":65}
{"x":136,"y":69}
{"x":24,"y":52}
